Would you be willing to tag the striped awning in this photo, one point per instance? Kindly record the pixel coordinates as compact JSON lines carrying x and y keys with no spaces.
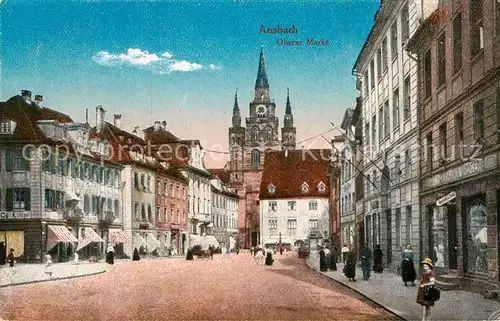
{"x":58,"y":234}
{"x":117,"y":236}
{"x":87,"y":236}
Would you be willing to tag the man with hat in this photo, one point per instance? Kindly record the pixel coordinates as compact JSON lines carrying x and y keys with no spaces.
{"x":427,"y":293}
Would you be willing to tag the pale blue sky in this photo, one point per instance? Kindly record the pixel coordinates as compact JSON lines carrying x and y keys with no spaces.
{"x":209,"y":48}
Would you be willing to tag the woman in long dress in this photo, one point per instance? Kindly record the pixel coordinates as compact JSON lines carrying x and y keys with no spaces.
{"x":377,"y":260}
{"x":269,"y":258}
{"x":350,"y":265}
{"x":110,"y":253}
{"x":322,"y":261}
{"x":408,"y":272}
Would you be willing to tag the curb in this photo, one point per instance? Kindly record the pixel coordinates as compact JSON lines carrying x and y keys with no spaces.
{"x":51,"y":280}
{"x":358,"y":292}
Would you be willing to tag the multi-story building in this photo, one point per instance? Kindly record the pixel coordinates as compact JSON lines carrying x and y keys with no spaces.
{"x":389,"y":82}
{"x":137,"y":182}
{"x":334,"y":200}
{"x":247,"y":147}
{"x":347,"y":186}
{"x":59,"y":193}
{"x":171,"y":209}
{"x":187,"y":156}
{"x":294,"y":196}
{"x":458,"y":49}
{"x":224,"y":214}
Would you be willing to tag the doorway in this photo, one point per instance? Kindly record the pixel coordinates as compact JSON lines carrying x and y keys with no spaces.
{"x":389,"y":236}
{"x":452,"y":237}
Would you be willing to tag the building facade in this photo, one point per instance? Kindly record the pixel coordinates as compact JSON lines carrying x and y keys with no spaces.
{"x":389,"y":82}
{"x":458,"y":50}
{"x":59,"y":194}
{"x":294,"y":196}
{"x":247,"y":147}
{"x":224,"y":214}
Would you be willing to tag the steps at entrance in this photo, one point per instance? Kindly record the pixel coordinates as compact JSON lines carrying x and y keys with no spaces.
{"x":448,"y":282}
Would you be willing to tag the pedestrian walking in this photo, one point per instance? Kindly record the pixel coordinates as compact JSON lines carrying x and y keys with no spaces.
{"x":328,"y":257}
{"x":269,"y":258}
{"x":259,"y":258}
{"x":366,"y":261}
{"x":10,"y":258}
{"x":378,"y":266}
{"x":427,"y":293}
{"x":3,"y":253}
{"x":350,"y":265}
{"x":211,"y":251}
{"x":408,"y":272}
{"x":333,"y":259}
{"x":322,"y":261}
{"x":48,"y":265}
{"x":136,"y":256}
{"x":189,"y":254}
{"x":281,"y":250}
{"x":110,"y":254}
{"x":76,"y":257}
{"x":345,"y":250}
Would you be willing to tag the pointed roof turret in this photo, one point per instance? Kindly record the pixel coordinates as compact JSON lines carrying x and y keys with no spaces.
{"x":288,"y":109}
{"x":236,"y":111}
{"x":236,"y":108}
{"x":262,"y":81}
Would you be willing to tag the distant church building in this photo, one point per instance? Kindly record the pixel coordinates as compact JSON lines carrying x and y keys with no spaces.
{"x":247,"y":146}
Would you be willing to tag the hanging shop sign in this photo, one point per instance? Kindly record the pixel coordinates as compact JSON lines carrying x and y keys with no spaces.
{"x":447,"y":198}
{"x":14,"y":215}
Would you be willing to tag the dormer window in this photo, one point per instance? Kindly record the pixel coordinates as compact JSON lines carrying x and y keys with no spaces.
{"x":271,"y":189}
{"x":5,"y":127}
{"x":304,"y":188}
{"x":321,"y":187}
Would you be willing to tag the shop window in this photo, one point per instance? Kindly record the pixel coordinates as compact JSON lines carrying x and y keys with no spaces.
{"x":477,"y":228}
{"x":18,"y":199}
{"x":438,"y":231}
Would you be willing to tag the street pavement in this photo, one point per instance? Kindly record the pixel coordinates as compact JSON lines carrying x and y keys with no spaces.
{"x":31,"y":273}
{"x":229,"y":287}
{"x":388,"y":290}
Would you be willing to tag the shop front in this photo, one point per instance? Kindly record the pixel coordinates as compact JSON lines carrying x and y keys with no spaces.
{"x":145,"y":242}
{"x":118,"y":239}
{"x":61,"y":243}
{"x":22,"y":233}
{"x":459,"y":220}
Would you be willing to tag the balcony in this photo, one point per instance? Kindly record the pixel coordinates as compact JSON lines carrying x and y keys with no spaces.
{"x":202,"y":217}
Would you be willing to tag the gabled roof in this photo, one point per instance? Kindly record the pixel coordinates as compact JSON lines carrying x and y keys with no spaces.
{"x":221,"y":173}
{"x":287,"y":171}
{"x":162,"y":136}
{"x":26,"y":115}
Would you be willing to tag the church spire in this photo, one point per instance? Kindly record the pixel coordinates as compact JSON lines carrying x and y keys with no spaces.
{"x":262,"y":81}
{"x":288,"y":109}
{"x":236,"y":111}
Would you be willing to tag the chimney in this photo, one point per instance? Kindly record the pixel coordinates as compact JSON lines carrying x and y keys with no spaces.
{"x":99,"y":118}
{"x":164,"y":125}
{"x":39,"y":100}
{"x":136,"y":130}
{"x":118,"y":121}
{"x":26,"y":94}
{"x":157,"y":126}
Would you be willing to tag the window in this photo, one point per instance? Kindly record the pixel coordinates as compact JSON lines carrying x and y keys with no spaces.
{"x":407,"y":164}
{"x":86,"y":203}
{"x":407,"y":99}
{"x":313,"y":224}
{"x":148,"y":184}
{"x":255,"y":134}
{"x":497,"y":18}
{"x":313,"y":205}
{"x":394,"y":40}
{"x":395,"y":108}
{"x":409,"y":225}
{"x":292,"y":205}
{"x":429,"y":156}
{"x":367,"y":134}
{"x":442,"y":142}
{"x":117,"y":208}
{"x":150,"y":213}
{"x":136,"y":211}
{"x":384,"y":54}
{"x":5,"y":127}
{"x":374,"y":130}
{"x":459,"y":134}
{"x":398,"y":227}
{"x":178,"y":217}
{"x":304,"y":188}
{"x":427,"y":74}
{"x":50,"y":200}
{"x":165,"y":215}
{"x":273,"y":206}
{"x":479,"y":121}
{"x":476,"y":24}
{"x":255,"y":158}
{"x":368,"y":183}
{"x":372,"y":74}
{"x":143,"y":184}
{"x":375,"y":178}
{"x":381,"y":124}
{"x":18,"y":199}
{"x":397,"y":166}
{"x":366,"y":83}
{"x":136,"y":181}
{"x":172,"y":209}
{"x":321,"y":187}
{"x":143,"y":212}
{"x":269,"y":134}
{"x":441,"y":56}
{"x":292,"y":224}
{"x":387,"y":119}
{"x":457,"y":43}
{"x":15,"y":160}
{"x":379,"y":63}
{"x":273,"y":224}
{"x":405,"y":24}
{"x":498,"y":110}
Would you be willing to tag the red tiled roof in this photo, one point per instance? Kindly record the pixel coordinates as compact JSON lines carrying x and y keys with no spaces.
{"x":26,"y":115}
{"x":221,"y":173}
{"x":160,"y":137}
{"x":288,"y":172}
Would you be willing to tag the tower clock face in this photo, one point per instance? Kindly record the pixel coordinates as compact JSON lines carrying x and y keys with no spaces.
{"x":261,"y":110}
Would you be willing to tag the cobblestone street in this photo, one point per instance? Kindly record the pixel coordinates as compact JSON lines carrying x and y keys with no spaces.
{"x":229,"y":287}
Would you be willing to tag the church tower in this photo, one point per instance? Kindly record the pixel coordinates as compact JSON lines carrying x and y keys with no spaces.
{"x":236,"y":143}
{"x":288,"y":132}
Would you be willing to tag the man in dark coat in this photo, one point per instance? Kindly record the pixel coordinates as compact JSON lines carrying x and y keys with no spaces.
{"x":269,"y":258}
{"x":377,"y":260}
{"x":323,"y":267}
{"x":136,"y":256}
{"x":350,"y":265}
{"x":333,"y":259}
{"x":3,"y":253}
{"x":366,"y":262}
{"x":189,"y":254}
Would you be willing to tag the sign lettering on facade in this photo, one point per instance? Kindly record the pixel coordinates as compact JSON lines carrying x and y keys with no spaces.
{"x":445,"y":199}
{"x":463,"y":171}
{"x":14,"y":215}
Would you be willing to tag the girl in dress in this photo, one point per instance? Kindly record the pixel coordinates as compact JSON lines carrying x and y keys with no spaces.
{"x":427,"y":294}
